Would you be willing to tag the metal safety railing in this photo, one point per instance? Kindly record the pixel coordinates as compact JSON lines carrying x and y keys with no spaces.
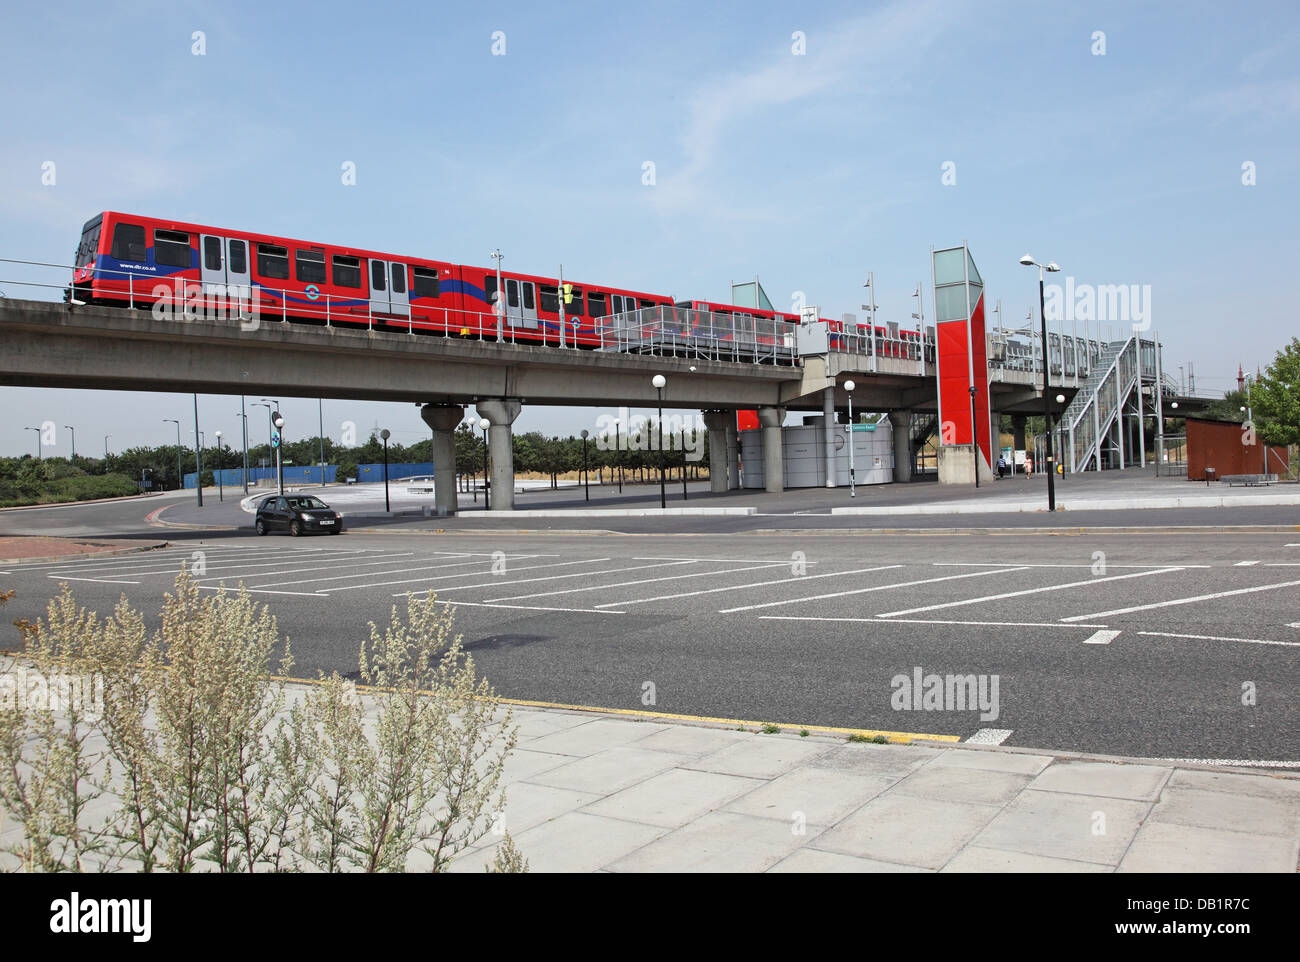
{"x":659,"y":331}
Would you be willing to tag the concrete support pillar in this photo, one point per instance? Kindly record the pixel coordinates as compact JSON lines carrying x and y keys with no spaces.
{"x":716,"y":422}
{"x":769,"y":420}
{"x":828,"y":427}
{"x":1018,"y":429}
{"x":501,"y":449}
{"x":442,"y":420}
{"x":902,"y":424}
{"x":733,"y":454}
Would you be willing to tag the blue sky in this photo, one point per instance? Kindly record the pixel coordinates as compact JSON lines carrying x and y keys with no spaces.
{"x":809,"y":170}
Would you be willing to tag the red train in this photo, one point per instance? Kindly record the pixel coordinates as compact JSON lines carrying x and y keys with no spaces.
{"x":134,"y":260}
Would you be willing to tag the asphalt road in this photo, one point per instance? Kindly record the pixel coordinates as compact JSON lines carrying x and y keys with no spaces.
{"x":1168,"y":645}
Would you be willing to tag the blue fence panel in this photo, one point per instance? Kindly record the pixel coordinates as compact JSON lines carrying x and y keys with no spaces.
{"x":299,"y":474}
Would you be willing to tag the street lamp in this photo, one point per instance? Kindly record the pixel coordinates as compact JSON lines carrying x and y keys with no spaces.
{"x":484,"y":424}
{"x":180,"y":478}
{"x":848,"y":389}
{"x":499,"y":307}
{"x":278,"y":421}
{"x":221,"y":492}
{"x":106,"y":437}
{"x":198,"y":456}
{"x":586,"y":481}
{"x":659,"y":381}
{"x":1060,"y":404}
{"x":73,"y":432}
{"x":386,"y":435}
{"x":38,"y":441}
{"x":243,"y":421}
{"x":974,"y":437}
{"x":1051,"y":267}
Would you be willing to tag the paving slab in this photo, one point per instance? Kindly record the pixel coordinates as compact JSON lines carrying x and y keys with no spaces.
{"x":718,"y":842}
{"x":761,"y":756}
{"x":885,"y":760}
{"x":823,"y":795}
{"x":593,"y":736}
{"x":692,"y":740}
{"x":609,"y":771}
{"x":1085,"y":828}
{"x":673,"y":798}
{"x":1115,"y":780}
{"x":980,"y":786}
{"x":1265,"y":785}
{"x":924,"y":832}
{"x":574,"y":842}
{"x":1166,"y":847}
{"x":813,"y":861}
{"x":1254,"y":814}
{"x":993,"y":761}
{"x":976,"y":858}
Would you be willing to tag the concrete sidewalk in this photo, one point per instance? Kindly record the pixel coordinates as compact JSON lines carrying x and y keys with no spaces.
{"x":594,"y":792}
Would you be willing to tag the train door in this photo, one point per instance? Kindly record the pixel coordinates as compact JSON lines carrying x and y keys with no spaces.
{"x":224,"y":270}
{"x":388,"y":293}
{"x":521,"y":303}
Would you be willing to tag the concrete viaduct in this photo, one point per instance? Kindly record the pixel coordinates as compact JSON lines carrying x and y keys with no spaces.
{"x":44,"y":344}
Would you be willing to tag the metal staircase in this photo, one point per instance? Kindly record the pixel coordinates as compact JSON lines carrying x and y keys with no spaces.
{"x":1101,"y":401}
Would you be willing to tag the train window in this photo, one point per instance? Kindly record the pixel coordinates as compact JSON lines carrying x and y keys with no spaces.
{"x":128,"y":242}
{"x":212,"y":253}
{"x":490,"y":288}
{"x":596,"y":303}
{"x":645,"y":303}
{"x":238,"y":262}
{"x":310,"y":267}
{"x":377,"y":276}
{"x":528,"y":295}
{"x":399,"y":278}
{"x":347,"y":271}
{"x":273,"y":261}
{"x":512,"y":292}
{"x":574,"y":307}
{"x":548,"y":298}
{"x":171,"y":248}
{"x":89,"y":240}
{"x":425,"y":282}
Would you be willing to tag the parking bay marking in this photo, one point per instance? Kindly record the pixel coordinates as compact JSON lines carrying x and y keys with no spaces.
{"x":642,"y":581}
{"x":304,"y":581}
{"x":1182,"y":601}
{"x":876,"y":619}
{"x":858,"y":591}
{"x":403,"y":581}
{"x":759,"y":584}
{"x":523,"y":581}
{"x":1032,"y":591}
{"x":1245,"y":641}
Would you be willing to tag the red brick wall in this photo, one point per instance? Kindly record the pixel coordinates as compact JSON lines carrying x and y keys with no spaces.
{"x":1217,"y":445}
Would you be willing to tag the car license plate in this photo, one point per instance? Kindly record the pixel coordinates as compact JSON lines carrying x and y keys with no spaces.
{"x":327,"y":521}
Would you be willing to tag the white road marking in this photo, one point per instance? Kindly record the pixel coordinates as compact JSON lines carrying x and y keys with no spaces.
{"x":264,"y":591}
{"x":1245,"y":564}
{"x":480,"y":604}
{"x":467,"y":574}
{"x":990,"y":736}
{"x":928,"y":621}
{"x":1182,"y":601}
{"x":1030,"y":591}
{"x":276,"y":584}
{"x":1247,"y":641}
{"x":102,"y":581}
{"x":1101,"y":638}
{"x":753,"y":561}
{"x":995,"y":564}
{"x":859,"y":591}
{"x":334,"y":564}
{"x":1237,"y":762}
{"x":172,"y":563}
{"x":759,"y":584}
{"x":642,"y":581}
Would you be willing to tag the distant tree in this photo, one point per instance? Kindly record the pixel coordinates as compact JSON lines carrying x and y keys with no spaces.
{"x":1275,"y":398}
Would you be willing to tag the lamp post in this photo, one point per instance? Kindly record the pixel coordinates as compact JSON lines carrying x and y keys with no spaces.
{"x":499,"y":308}
{"x":221,"y":491}
{"x":180,"y":478}
{"x":278,"y":421}
{"x":73,"y":432}
{"x":198,"y":457}
{"x":38,"y":441}
{"x":270,"y":425}
{"x":1051,"y":267}
{"x":848,"y":389}
{"x":106,"y":437}
{"x":386,"y":435}
{"x":658,"y":381}
{"x":1060,"y":410}
{"x":243,"y":420}
{"x":586,"y":481}
{"x":974,"y":437}
{"x":484,"y":424}
{"x":618,"y":450}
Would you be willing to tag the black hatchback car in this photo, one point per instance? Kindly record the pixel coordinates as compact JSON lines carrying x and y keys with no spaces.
{"x":297,"y":514}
